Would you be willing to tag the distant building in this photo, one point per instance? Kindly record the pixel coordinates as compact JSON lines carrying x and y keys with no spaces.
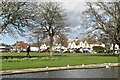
{"x":20,"y":46}
{"x":43,"y":47}
{"x":5,"y":47}
{"x":34,"y":48}
{"x":86,"y":44}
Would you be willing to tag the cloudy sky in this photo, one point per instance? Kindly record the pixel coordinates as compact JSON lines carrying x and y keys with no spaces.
{"x":74,"y":12}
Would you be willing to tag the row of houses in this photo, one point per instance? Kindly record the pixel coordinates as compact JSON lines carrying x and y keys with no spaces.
{"x":75,"y":44}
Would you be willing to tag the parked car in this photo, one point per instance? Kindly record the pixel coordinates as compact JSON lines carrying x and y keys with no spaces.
{"x":78,"y":50}
{"x":86,"y":50}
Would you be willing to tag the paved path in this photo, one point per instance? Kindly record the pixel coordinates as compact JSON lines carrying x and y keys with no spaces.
{"x":107,"y":65}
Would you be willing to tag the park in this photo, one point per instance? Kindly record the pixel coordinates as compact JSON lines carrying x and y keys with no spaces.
{"x":59,"y":39}
{"x":42,"y":60}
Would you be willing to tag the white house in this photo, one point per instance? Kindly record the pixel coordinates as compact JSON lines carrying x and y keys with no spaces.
{"x":34,"y":48}
{"x":69,"y":45}
{"x":56,"y":46}
{"x":43,"y":47}
{"x":73,"y":45}
{"x":81,"y":44}
{"x":86,"y":45}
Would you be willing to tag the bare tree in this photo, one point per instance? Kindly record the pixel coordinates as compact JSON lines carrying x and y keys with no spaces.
{"x":62,"y":39}
{"x":37,"y":35}
{"x":51,"y":20}
{"x":105,"y":17}
{"x":15,"y":17}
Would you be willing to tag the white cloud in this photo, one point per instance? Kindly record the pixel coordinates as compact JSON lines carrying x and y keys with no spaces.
{"x":74,"y":10}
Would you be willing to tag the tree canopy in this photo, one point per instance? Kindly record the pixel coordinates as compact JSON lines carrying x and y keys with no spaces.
{"x":15,"y":17}
{"x":105,"y":16}
{"x":50,"y":19}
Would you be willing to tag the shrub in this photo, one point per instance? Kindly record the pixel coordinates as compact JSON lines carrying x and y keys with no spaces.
{"x":98,"y":49}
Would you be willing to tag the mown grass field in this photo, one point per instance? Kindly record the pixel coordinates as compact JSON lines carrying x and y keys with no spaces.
{"x":58,"y":59}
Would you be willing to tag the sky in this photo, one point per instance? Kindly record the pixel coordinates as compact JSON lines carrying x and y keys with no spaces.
{"x":74,"y":11}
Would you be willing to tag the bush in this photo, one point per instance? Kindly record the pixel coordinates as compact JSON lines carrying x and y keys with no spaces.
{"x":98,"y":49}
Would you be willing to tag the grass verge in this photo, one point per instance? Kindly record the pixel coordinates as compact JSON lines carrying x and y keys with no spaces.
{"x":12,"y":61}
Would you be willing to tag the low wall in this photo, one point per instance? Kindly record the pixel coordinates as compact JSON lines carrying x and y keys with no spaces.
{"x":90,"y":66}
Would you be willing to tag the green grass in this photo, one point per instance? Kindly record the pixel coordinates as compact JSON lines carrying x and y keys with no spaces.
{"x":60,"y":60}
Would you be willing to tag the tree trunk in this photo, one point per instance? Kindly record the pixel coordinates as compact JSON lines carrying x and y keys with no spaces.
{"x":51,"y":44}
{"x":113,"y":48}
{"x":38,"y":43}
{"x":119,"y":49}
{"x":38,"y":46}
{"x":119,"y":46}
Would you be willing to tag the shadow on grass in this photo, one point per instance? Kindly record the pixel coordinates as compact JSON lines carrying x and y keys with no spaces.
{"x":59,"y":55}
{"x":109,"y":55}
{"x":7,"y":57}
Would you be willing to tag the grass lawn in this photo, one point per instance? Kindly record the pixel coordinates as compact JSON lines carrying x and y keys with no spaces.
{"x":9,"y":60}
